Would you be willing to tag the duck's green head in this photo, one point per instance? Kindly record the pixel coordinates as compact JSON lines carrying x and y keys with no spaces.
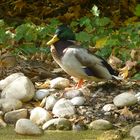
{"x":63,"y":32}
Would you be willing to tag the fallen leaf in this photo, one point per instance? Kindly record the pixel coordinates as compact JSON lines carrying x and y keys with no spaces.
{"x":130,"y":64}
{"x":135,"y":54}
{"x":114,"y":61}
{"x":7,"y":61}
{"x":101,"y":42}
{"x":41,"y":85}
{"x":125,"y":112}
{"x":19,"y":4}
{"x":123,"y":72}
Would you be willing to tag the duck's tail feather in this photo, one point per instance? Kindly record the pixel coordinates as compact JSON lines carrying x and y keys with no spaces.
{"x":118,"y":78}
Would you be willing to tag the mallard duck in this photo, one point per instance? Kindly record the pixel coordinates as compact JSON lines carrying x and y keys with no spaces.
{"x":77,"y":61}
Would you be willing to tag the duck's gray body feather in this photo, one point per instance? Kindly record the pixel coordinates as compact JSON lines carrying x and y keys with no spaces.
{"x":79,"y":63}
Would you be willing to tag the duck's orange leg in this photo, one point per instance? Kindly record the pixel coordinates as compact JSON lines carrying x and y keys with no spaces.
{"x":79,"y":84}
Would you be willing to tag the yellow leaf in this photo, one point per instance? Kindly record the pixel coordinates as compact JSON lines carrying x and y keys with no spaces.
{"x":124,"y":72}
{"x":101,"y":42}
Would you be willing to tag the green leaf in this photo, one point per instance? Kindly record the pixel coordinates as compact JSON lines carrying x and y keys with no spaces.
{"x":104,"y":52}
{"x":31,"y":35}
{"x":2,"y":35}
{"x":83,"y":37}
{"x":2,"y":23}
{"x":112,"y":42}
{"x":74,"y":24}
{"x":26,"y":31}
{"x":28,"y":48}
{"x":137,"y":10}
{"x":84,"y":21}
{"x":102,"y":21}
{"x":136,"y":76}
{"x":42,"y":32}
{"x":20,"y":32}
{"x":54,"y":22}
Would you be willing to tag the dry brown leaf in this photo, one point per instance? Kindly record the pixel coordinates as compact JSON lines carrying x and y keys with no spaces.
{"x":124,"y":72}
{"x":8,"y":61}
{"x":41,"y":85}
{"x":42,"y":104}
{"x":135,"y":54}
{"x":130,"y":64}
{"x":19,"y":5}
{"x":114,"y":61}
{"x":126,"y":113}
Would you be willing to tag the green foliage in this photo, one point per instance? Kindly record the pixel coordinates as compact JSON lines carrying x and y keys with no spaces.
{"x":93,"y":31}
{"x":28,"y":38}
{"x":100,"y":32}
{"x":26,"y":31}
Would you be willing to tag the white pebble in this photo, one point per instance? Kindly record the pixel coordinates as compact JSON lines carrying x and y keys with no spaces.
{"x":59,"y":83}
{"x":39,"y":115}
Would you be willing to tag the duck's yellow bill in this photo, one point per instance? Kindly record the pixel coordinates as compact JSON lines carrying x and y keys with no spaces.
{"x":53,"y":40}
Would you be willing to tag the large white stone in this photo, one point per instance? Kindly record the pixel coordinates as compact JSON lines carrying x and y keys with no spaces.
{"x":5,"y":82}
{"x":39,"y":115}
{"x":21,"y":88}
{"x":8,"y":104}
{"x":63,"y":107}
{"x":27,"y":127}
{"x":125,"y":99}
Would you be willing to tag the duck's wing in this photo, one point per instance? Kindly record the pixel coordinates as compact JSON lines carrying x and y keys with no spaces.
{"x":93,"y":65}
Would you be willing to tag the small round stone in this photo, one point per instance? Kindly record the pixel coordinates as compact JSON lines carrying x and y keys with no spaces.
{"x":73,"y":93}
{"x":50,"y":102}
{"x":59,"y":83}
{"x":41,"y":93}
{"x":125,"y":99}
{"x":27,"y":127}
{"x":13,"y":116}
{"x":63,"y":107}
{"x":100,"y":125}
{"x":40,"y":115}
{"x":109,"y":107}
{"x":78,"y":101}
{"x":57,"y":124}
